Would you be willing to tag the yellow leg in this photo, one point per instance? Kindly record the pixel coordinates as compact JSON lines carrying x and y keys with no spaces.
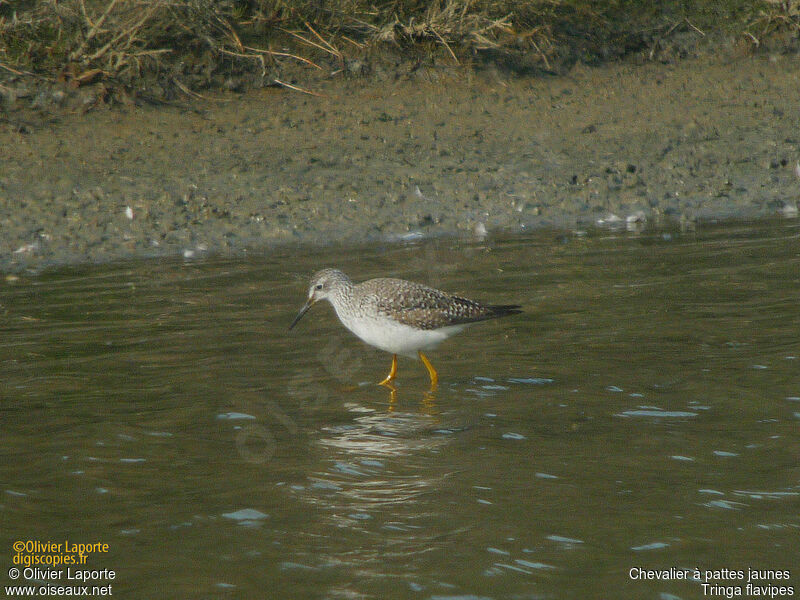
{"x":392,"y":396}
{"x":431,"y":371}
{"x":392,"y":372}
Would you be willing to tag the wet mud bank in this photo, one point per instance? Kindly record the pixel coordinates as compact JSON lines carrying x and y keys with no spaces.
{"x":441,"y":152}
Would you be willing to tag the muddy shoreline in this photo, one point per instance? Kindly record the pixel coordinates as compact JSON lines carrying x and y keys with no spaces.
{"x":437,"y":152}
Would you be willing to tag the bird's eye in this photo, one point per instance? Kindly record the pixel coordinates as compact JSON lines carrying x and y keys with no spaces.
{"x":318,"y":286}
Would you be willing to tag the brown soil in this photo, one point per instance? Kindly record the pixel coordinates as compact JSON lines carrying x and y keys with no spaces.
{"x":428,"y":152}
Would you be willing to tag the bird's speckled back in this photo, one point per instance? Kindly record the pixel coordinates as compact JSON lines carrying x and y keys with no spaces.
{"x":420,"y":306}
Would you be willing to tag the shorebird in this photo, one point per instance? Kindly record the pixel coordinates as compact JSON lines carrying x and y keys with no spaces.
{"x":398,"y":316}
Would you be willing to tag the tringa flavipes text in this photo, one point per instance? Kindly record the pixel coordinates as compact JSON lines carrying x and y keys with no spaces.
{"x":398,"y":316}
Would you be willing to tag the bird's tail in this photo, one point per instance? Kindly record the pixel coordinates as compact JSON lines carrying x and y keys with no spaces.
{"x":505,"y":310}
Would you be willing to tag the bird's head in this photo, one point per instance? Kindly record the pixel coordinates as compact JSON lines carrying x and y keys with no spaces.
{"x":324,"y":284}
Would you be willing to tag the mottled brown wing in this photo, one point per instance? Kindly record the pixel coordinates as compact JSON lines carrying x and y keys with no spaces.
{"x":428,"y":308}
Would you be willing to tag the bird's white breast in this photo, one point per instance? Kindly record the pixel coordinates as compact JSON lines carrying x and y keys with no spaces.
{"x":394,"y":337}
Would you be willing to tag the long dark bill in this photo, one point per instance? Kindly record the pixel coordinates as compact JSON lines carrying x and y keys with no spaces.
{"x":299,"y":316}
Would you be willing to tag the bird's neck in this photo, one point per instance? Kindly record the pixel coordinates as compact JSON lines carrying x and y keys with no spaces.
{"x":342,"y":294}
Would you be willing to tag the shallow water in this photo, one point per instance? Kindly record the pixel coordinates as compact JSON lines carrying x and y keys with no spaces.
{"x":642,"y":413}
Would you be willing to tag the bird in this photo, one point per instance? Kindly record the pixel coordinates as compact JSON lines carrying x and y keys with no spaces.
{"x":398,"y":316}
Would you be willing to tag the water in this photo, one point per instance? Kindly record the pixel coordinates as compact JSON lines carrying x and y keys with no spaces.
{"x":642,"y":413}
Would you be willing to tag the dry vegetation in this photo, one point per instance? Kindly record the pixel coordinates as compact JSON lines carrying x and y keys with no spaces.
{"x":209,"y":43}
{"x":781,"y":17}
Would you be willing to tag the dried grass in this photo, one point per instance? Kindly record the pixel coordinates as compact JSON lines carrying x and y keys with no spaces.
{"x":776,"y":16}
{"x":122,"y":38}
{"x":126,"y":40}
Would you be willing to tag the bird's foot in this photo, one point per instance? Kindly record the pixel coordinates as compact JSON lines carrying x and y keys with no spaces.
{"x":392,"y":372}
